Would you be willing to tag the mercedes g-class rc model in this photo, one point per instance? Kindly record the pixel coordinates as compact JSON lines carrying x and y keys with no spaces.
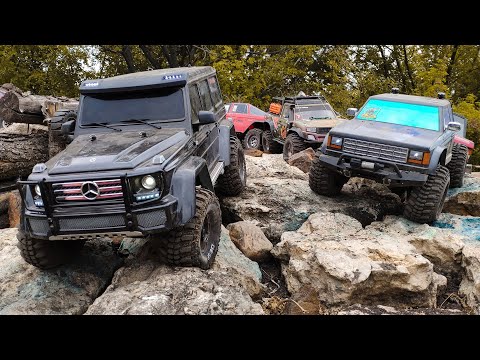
{"x":147,"y":151}
{"x":298,"y":122}
{"x":406,"y":142}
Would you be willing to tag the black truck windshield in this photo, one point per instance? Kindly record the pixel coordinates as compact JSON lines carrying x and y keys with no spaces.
{"x":154,"y":105}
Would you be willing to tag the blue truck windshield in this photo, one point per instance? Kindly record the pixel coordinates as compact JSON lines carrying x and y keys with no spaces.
{"x":419,"y":116}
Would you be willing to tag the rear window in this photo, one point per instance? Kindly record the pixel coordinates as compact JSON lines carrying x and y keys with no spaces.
{"x":393,"y":112}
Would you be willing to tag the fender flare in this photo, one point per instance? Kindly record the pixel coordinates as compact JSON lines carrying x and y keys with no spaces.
{"x":191,"y":173}
{"x":296,"y":131}
{"x":226,"y":131}
{"x":436,"y":158}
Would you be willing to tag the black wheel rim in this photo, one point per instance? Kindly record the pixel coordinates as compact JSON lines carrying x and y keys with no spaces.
{"x":205,"y":239}
{"x":253,"y":142}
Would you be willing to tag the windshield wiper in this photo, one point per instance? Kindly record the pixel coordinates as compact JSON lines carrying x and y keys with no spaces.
{"x":103,"y":125}
{"x":319,"y":118}
{"x":142,"y":121}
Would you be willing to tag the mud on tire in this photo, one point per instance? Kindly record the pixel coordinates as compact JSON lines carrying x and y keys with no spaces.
{"x":324,"y":181}
{"x":425,"y":202}
{"x":457,"y":165}
{"x":56,"y":140}
{"x":270,"y":145}
{"x":293,"y":145}
{"x":253,"y":139}
{"x":234,"y":179}
{"x":196,"y":243}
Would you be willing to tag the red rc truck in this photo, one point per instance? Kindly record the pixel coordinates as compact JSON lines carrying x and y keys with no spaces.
{"x":249,"y":122}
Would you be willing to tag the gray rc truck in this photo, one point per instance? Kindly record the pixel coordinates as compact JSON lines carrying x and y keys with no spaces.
{"x":146,"y":153}
{"x":298,"y":122}
{"x":406,"y":142}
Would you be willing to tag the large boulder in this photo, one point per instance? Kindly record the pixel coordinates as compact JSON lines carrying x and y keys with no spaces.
{"x":303,"y":159}
{"x":68,"y":289}
{"x":146,"y":286}
{"x":343,"y":264}
{"x":251,"y":240}
{"x":278,"y":199}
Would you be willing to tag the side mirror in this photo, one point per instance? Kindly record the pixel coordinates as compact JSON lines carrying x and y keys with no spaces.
{"x":352,"y":111}
{"x":206,"y":117}
{"x":454,"y":126}
{"x":68,"y":127}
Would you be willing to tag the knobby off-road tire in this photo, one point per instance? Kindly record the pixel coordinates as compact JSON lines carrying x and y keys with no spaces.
{"x":46,"y":254}
{"x":253,"y":139}
{"x":324,"y":181}
{"x":293,"y":145}
{"x":56,"y":140}
{"x":234,"y":179}
{"x":457,"y":165}
{"x":270,"y":145}
{"x":425,"y":202}
{"x":196,"y":243}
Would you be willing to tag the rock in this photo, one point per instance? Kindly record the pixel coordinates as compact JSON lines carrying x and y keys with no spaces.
{"x":442,"y":247}
{"x":463,"y":203}
{"x":358,"y":309}
{"x":470,"y":286}
{"x":464,"y":200}
{"x":250,"y":240}
{"x":149,"y":289}
{"x":278,"y":199}
{"x":346,"y":264}
{"x":303,"y":159}
{"x":146,"y":286}
{"x":253,"y":152}
{"x":69,"y":289}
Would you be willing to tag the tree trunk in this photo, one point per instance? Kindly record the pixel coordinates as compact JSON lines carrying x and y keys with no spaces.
{"x":19,"y":107}
{"x":128,"y":56}
{"x":149,"y":56}
{"x":20,"y":152}
{"x":407,"y":66}
{"x":399,"y":67}
{"x":384,"y":59}
{"x":450,"y":64}
{"x":4,"y":221}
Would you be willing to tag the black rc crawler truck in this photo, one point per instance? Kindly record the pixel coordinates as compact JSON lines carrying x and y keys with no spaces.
{"x":404,"y":141}
{"x":146,"y":153}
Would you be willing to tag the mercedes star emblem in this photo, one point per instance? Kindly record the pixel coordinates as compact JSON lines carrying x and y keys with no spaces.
{"x":90,"y":190}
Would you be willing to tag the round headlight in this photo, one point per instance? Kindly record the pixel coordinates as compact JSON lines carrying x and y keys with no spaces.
{"x":37,"y":190}
{"x":148,"y":182}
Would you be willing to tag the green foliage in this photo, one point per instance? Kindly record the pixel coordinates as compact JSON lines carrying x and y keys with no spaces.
{"x":345,"y":75}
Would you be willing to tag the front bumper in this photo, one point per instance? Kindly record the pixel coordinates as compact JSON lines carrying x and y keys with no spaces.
{"x":86,"y":222}
{"x":384,"y":171}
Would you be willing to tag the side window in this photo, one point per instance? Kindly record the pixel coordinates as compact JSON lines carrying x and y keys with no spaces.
{"x":214,"y":90}
{"x":256,"y":111}
{"x":194,"y":102}
{"x":239,"y":108}
{"x":205,"y":95}
{"x":286,"y":112}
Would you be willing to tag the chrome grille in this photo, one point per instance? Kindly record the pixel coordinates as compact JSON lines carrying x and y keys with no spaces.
{"x":72,"y":191}
{"x":375,"y":150}
{"x":91,"y":222}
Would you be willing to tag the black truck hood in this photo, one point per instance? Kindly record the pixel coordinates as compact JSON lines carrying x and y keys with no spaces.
{"x":116,"y":150}
{"x":391,"y":134}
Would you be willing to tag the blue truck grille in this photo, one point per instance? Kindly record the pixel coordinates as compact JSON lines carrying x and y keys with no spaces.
{"x":375,"y":150}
